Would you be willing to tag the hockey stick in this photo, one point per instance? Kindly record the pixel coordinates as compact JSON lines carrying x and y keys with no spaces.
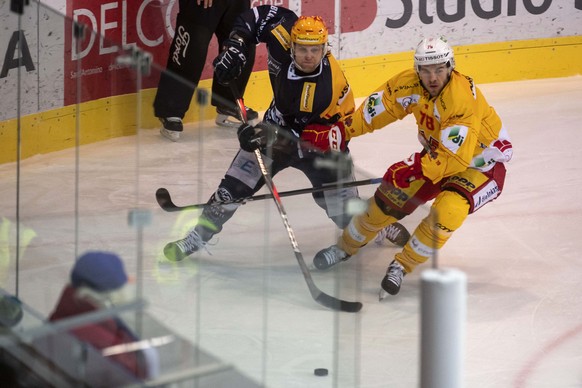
{"x":165,"y":199}
{"x":318,"y":295}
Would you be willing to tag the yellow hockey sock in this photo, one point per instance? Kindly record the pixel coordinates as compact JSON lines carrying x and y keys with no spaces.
{"x":447,"y":214}
{"x":363,"y":228}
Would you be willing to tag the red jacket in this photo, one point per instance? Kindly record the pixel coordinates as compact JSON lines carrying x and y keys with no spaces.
{"x":102,"y":334}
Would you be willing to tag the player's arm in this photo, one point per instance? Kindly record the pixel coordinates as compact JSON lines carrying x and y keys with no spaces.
{"x":255,"y":25}
{"x":378,"y":110}
{"x":250,"y":27}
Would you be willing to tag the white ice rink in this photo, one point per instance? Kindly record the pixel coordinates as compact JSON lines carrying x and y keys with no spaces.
{"x":247,"y":302}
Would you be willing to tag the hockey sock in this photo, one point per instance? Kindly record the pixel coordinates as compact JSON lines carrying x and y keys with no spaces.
{"x":363,"y":228}
{"x":447,"y":214}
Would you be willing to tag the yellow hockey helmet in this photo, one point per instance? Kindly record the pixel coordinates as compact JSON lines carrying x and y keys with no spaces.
{"x":309,"y":31}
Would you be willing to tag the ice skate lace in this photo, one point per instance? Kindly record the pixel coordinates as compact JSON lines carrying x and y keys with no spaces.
{"x":191,"y":243}
{"x":334,"y":255}
{"x":395,"y":273}
{"x":390,"y":232}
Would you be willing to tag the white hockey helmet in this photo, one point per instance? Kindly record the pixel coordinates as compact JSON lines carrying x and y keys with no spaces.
{"x":433,"y":51}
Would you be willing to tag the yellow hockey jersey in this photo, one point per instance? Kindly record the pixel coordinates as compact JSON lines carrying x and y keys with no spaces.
{"x":457,"y":127}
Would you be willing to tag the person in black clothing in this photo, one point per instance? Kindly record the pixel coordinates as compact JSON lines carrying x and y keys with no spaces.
{"x":310,"y":93}
{"x":196,"y":22}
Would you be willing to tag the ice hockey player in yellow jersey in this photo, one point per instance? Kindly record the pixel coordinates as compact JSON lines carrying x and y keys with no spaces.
{"x":461,"y":164}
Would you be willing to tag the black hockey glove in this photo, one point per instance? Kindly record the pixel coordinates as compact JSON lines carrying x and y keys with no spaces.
{"x":252,"y":138}
{"x":228,"y":65}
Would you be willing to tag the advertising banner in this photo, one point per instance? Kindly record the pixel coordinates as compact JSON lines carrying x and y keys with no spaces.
{"x":40,"y":54}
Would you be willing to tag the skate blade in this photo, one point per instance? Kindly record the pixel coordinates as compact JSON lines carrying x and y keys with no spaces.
{"x":382,"y":294}
{"x":227,"y":121}
{"x":231,"y":122}
{"x":172,"y":135}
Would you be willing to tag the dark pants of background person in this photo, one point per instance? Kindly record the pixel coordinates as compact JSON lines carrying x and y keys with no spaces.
{"x":198,"y":24}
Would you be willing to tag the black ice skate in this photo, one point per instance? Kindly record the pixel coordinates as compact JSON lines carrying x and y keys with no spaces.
{"x":396,"y":233}
{"x":393,"y":278}
{"x":328,"y":257}
{"x":172,"y":126}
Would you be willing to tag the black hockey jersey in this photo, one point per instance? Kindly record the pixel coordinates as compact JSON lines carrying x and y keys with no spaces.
{"x":298,"y":98}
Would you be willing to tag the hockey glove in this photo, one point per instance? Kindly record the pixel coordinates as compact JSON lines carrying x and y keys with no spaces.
{"x":325,"y":137}
{"x":500,"y":151}
{"x":400,"y":174}
{"x":229,"y":63}
{"x":251,"y":138}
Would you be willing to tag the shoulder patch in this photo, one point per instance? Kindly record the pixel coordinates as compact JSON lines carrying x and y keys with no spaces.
{"x":453,"y":137}
{"x":406,"y":101}
{"x":373,"y":106}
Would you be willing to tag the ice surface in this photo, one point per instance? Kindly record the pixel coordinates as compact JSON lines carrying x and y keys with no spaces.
{"x":247,"y":302}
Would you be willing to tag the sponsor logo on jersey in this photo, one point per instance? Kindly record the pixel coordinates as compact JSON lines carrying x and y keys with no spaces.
{"x":406,"y":87}
{"x":307,"y":97}
{"x":472,"y":86}
{"x":442,"y":101}
{"x":453,"y":137}
{"x":273,"y":65}
{"x":436,"y":113}
{"x":344,"y":93}
{"x":282,"y":35}
{"x":373,"y":106}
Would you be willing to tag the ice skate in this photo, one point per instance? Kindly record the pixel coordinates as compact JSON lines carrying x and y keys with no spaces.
{"x":328,"y":257}
{"x":396,"y":233}
{"x":393,"y":278}
{"x":230,"y":118}
{"x":172,"y":126}
{"x":180,"y":249}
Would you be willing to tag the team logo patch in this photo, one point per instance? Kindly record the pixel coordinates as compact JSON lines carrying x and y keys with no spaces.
{"x":406,"y":101}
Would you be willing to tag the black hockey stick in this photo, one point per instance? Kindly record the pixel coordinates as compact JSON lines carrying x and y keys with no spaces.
{"x":165,"y":199}
{"x":318,"y":295}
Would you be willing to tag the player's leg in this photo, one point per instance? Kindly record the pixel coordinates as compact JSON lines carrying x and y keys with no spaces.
{"x":334,"y":202}
{"x":447,"y":214}
{"x":386,"y":207}
{"x":242,"y":179}
{"x":186,"y":58}
{"x":462,"y":194}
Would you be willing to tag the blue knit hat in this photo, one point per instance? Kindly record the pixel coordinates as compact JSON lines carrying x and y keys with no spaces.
{"x":101,"y":271}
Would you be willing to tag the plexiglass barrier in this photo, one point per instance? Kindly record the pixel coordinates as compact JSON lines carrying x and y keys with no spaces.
{"x":82,"y":162}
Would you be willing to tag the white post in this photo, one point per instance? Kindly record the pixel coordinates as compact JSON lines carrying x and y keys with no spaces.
{"x":443,"y":315}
